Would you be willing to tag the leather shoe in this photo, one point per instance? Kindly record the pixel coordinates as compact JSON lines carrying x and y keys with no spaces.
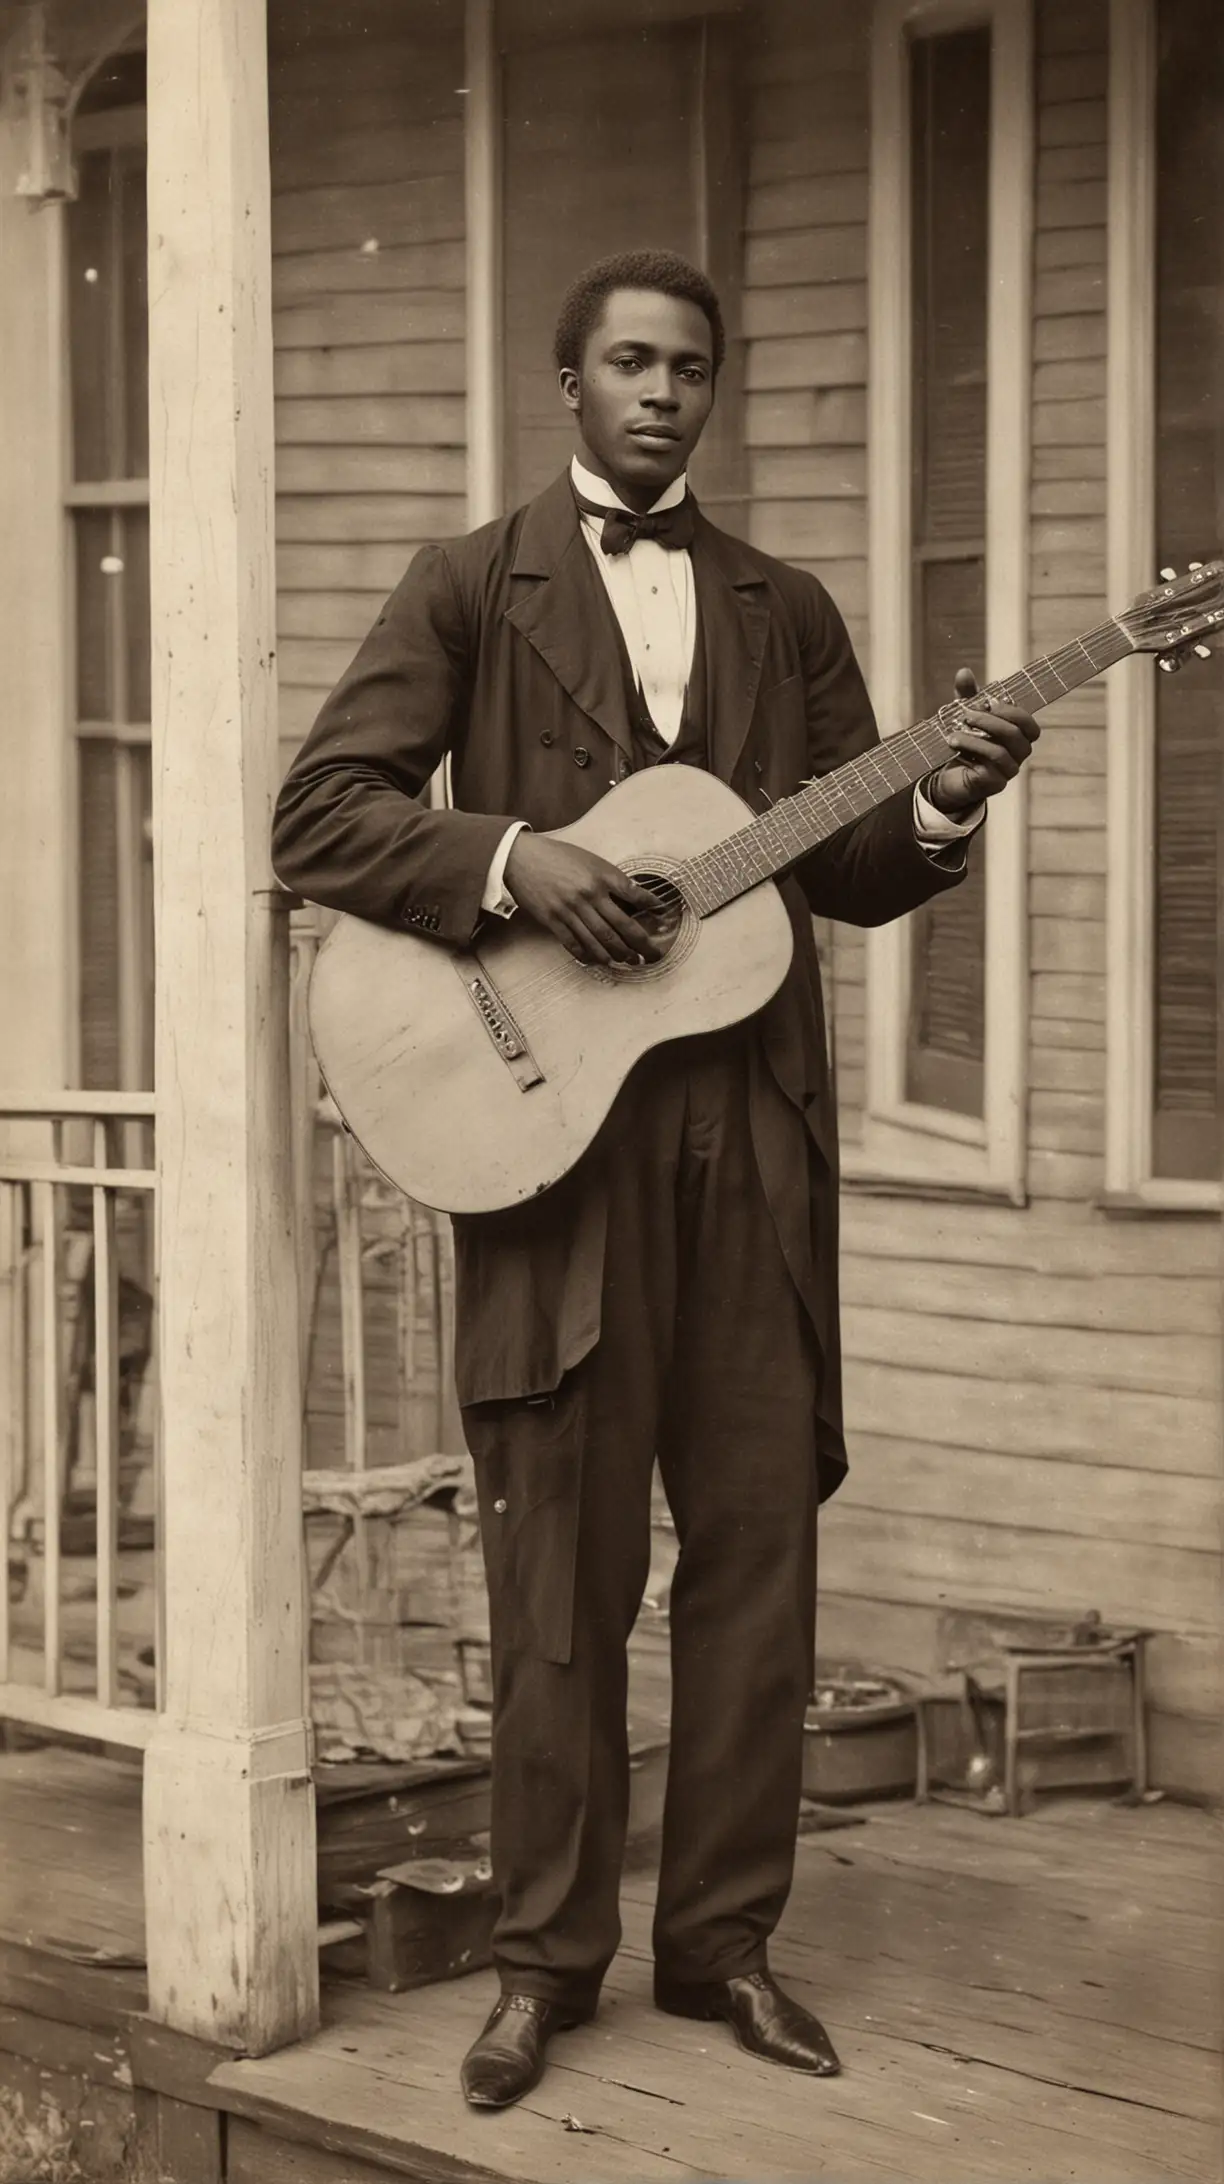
{"x":765,"y":2021}
{"x":508,"y":2058}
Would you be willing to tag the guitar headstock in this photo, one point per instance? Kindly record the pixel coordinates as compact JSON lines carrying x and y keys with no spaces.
{"x":1180,"y":612}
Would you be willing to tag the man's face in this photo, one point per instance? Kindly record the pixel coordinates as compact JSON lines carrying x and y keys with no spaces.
{"x":644,"y":392}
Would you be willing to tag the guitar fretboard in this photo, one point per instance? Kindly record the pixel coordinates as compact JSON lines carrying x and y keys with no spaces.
{"x":770,"y":845}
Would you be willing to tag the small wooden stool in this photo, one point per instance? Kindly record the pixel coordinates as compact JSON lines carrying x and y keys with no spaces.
{"x":1049,"y":1693}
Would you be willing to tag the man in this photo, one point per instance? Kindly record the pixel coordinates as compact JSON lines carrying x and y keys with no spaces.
{"x":675,"y":1296}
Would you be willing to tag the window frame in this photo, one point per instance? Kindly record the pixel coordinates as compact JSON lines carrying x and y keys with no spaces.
{"x":110,"y":130}
{"x":1130,"y":868}
{"x":903,"y":1141}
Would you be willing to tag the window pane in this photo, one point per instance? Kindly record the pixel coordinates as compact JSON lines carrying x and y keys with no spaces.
{"x":947,"y":1043}
{"x":950,"y":92}
{"x":135,"y":321}
{"x":135,"y":581}
{"x":99,"y":917}
{"x":120,"y":81}
{"x":95,"y":656}
{"x":91,"y":302}
{"x":141,"y":761}
{"x":1190,"y":526}
{"x":951,"y":140}
{"x":108,"y":317}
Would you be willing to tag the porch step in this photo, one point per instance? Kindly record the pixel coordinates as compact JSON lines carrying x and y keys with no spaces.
{"x":430,"y":1918}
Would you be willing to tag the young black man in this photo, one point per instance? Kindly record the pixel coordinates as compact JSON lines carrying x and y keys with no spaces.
{"x":676,"y":1295}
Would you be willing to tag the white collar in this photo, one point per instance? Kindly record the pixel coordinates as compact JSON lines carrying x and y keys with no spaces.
{"x":594,"y":488}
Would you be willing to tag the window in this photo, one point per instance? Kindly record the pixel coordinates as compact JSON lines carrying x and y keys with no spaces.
{"x":1166,"y":508}
{"x":108,"y":501}
{"x":949,"y":307}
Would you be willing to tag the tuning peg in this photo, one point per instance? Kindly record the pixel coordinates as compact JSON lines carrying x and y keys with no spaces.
{"x":1203,"y":651}
{"x":1168,"y":576}
{"x":1194,"y":564}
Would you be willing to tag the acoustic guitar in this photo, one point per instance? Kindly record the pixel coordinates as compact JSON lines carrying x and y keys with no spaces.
{"x":475,"y":1078}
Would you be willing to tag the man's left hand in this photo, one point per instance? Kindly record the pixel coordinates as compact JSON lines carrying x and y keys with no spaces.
{"x":992,"y":745}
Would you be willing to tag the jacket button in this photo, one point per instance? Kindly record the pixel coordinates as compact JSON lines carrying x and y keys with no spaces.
{"x":581,"y":757}
{"x":500,"y":1505}
{"x":547,"y":737}
{"x":622,"y":767}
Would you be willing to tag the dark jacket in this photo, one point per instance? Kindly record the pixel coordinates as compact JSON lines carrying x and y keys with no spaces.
{"x":500,"y":650}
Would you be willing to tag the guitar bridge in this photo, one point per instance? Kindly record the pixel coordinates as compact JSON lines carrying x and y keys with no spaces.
{"x":498,"y":1022}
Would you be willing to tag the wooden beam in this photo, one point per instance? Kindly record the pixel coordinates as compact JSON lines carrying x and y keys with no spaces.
{"x":64,"y":1714}
{"x":1130,"y":560}
{"x":228,"y":1812}
{"x":483,"y":195}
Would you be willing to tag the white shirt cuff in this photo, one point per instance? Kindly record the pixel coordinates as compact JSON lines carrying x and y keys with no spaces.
{"x":935,"y":828}
{"x":497,"y":897}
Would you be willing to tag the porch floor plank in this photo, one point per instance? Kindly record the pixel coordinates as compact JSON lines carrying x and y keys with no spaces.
{"x":1012,"y":2000}
{"x":70,"y":1873}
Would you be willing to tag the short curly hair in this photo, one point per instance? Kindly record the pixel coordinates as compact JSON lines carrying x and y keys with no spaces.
{"x":660,"y":270}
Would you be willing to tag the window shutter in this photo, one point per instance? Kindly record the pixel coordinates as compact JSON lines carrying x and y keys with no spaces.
{"x":950,"y":92}
{"x":1190,"y":525}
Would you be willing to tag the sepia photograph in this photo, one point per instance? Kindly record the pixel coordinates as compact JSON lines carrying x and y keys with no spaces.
{"x":611,"y":1091}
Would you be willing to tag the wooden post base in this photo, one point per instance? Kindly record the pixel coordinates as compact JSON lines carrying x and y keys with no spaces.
{"x":230,"y":1887}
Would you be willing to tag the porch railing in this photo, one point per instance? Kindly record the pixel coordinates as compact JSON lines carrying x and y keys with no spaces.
{"x":80,"y":1613}
{"x":81,"y":1604}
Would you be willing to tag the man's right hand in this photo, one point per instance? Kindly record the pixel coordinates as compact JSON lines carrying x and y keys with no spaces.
{"x":582,"y":900}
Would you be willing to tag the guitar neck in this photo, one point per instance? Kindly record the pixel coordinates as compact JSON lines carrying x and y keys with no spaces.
{"x":769,"y":846}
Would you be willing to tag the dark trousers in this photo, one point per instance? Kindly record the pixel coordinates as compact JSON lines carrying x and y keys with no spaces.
{"x":705,"y":1359}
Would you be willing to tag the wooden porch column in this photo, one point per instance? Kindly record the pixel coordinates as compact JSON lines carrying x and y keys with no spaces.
{"x":229,"y":1807}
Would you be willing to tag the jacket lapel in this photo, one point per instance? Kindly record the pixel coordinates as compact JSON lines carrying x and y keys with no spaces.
{"x":565,"y":615}
{"x":734,"y":608}
{"x":568,"y":619}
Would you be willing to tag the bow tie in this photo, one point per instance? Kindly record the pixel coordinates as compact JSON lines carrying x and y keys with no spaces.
{"x":671,"y":527}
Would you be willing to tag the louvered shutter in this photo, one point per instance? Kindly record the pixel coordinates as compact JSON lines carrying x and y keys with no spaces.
{"x":1190,"y":525}
{"x":950,"y":92}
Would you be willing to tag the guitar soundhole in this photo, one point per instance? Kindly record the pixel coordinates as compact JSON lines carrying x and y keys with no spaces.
{"x":664,"y":924}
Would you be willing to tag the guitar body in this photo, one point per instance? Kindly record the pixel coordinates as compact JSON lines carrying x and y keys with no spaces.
{"x":419,"y":1063}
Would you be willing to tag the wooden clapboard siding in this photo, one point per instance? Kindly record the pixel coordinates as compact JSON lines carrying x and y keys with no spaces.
{"x":1046,"y":1357}
{"x":805,"y":318}
{"x":1034,"y":1411}
{"x":369,"y":314}
{"x":1122,"y":1504}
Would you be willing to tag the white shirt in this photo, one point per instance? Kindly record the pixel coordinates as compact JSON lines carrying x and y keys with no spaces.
{"x":655,"y":602}
{"x":653,"y":598}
